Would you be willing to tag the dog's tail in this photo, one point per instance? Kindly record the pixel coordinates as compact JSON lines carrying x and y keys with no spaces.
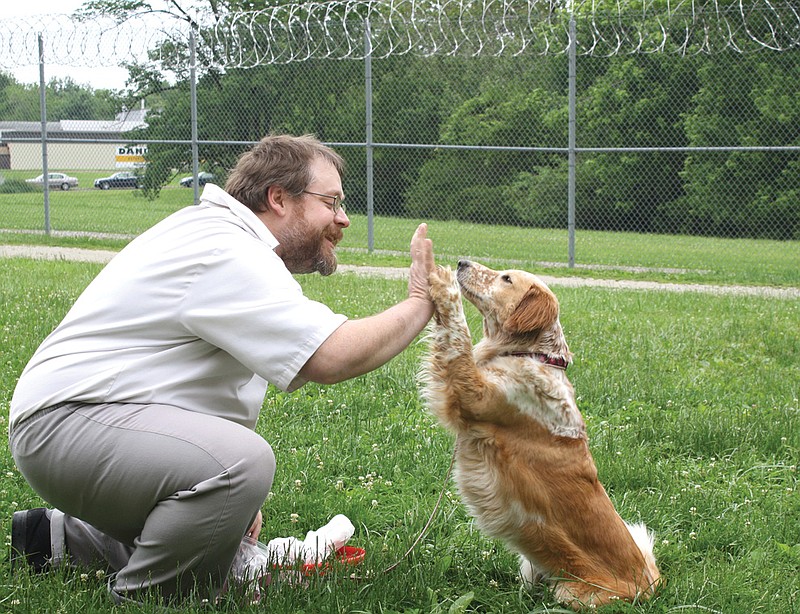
{"x":645,"y":539}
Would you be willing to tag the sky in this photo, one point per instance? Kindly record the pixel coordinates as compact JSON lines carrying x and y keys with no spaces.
{"x":96,"y":77}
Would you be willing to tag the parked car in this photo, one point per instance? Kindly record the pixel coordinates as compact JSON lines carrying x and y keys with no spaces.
{"x":119,"y":180}
{"x":55,"y":180}
{"x":202,"y":179}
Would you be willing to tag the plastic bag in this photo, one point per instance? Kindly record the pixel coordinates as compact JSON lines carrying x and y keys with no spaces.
{"x":258,"y":561}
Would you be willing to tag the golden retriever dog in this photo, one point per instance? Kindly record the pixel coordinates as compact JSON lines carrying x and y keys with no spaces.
{"x":523,"y":466}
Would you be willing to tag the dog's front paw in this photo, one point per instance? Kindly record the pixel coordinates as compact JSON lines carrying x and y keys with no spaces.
{"x":446,"y":296}
{"x":444,"y":288}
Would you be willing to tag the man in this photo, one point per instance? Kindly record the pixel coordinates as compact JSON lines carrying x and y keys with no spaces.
{"x":135,"y":417}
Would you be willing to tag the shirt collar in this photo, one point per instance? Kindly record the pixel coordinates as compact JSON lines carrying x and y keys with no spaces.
{"x":214,"y":196}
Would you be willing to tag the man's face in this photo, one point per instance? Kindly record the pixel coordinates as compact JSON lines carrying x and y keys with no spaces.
{"x":313,"y":230}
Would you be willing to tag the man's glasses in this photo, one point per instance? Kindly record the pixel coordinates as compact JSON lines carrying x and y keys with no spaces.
{"x":335,"y":206}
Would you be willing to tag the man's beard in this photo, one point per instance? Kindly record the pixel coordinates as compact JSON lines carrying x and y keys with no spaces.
{"x":305,"y":251}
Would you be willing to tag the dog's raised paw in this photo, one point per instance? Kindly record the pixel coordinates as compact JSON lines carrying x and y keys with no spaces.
{"x":444,"y":287}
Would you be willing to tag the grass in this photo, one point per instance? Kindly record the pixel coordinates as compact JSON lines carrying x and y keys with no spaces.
{"x":691,"y":402}
{"x":681,"y":259}
{"x":107,"y":219}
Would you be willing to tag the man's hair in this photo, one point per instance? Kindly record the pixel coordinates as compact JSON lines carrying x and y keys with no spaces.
{"x":281,"y":160}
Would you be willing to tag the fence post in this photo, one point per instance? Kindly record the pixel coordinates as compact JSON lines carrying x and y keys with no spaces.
{"x":193,"y":95}
{"x":43,"y":115}
{"x":368,"y":135}
{"x":571,"y":153}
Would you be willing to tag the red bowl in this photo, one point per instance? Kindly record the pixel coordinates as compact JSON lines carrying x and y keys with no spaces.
{"x":346,"y":555}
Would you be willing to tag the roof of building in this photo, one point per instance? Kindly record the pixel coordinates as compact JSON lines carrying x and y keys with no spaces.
{"x":124,"y":122}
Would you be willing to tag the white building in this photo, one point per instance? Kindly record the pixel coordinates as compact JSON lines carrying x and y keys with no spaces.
{"x":74,"y":144}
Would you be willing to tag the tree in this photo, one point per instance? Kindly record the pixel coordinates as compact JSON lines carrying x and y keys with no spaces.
{"x":412,"y":96}
{"x":65,"y":99}
{"x":68,"y":100}
{"x":744,"y":100}
{"x":634,"y":102}
{"x":515,"y":107}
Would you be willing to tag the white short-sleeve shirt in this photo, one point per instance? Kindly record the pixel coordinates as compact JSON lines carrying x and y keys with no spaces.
{"x":198,"y":312}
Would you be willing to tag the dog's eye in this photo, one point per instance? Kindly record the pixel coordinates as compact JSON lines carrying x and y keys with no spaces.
{"x":506,"y":278}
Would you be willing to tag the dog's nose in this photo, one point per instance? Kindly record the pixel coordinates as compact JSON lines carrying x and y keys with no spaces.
{"x":463,"y":264}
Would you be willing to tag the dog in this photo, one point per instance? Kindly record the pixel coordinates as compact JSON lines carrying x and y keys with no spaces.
{"x":522,"y":462}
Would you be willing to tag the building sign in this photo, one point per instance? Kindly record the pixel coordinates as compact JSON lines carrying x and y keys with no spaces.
{"x":131,"y":156}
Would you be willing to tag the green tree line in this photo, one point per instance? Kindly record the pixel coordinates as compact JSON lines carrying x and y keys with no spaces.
{"x":64,"y":99}
{"x":639,"y":102}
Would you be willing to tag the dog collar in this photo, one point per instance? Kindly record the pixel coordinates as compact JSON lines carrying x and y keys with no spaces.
{"x":554,"y":361}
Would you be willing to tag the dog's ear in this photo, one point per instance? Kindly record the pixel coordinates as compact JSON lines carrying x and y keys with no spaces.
{"x":537,"y":309}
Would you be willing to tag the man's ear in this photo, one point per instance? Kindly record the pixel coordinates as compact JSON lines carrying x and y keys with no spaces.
{"x":537,"y":309}
{"x":276,"y":200}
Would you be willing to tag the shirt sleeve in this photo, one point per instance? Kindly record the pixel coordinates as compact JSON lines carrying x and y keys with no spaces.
{"x":246,"y":303}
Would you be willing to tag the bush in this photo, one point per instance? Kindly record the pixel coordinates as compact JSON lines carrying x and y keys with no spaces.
{"x":15,"y":186}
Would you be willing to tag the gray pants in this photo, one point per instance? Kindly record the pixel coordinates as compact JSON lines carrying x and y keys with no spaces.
{"x":160,"y":494}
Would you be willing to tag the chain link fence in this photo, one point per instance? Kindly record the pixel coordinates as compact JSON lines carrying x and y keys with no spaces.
{"x":681,"y":120}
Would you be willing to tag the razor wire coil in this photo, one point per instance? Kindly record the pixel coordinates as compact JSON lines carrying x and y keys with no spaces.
{"x":336,"y":30}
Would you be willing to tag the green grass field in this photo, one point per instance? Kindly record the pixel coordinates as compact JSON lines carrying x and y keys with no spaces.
{"x":99,"y":217}
{"x":88,"y":209}
{"x":691,"y":402}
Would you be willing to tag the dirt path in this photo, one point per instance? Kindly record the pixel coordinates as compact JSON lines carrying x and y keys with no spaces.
{"x":42,"y":252}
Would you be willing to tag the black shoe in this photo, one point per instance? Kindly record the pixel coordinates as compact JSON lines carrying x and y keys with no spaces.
{"x":30,"y":539}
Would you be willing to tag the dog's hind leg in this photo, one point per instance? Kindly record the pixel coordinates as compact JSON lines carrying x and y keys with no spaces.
{"x":530,"y":574}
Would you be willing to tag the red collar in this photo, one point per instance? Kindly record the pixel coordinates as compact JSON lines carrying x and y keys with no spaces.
{"x":554,"y":361}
